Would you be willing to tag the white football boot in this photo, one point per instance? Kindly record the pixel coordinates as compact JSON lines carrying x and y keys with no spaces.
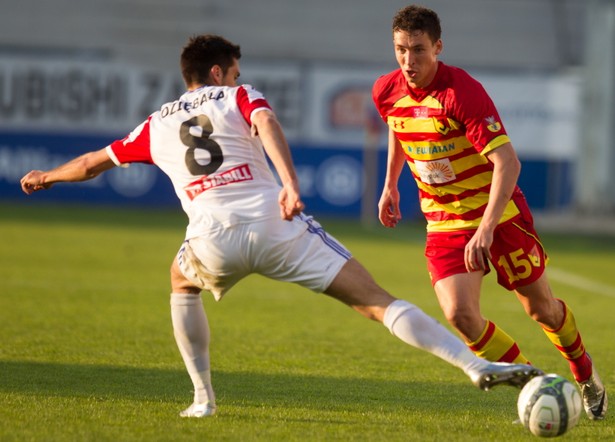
{"x":199,"y":410}
{"x":503,"y":373}
{"x":594,"y":396}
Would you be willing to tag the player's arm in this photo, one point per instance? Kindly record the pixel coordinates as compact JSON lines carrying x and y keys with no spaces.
{"x":82,"y":168}
{"x":506,"y":169}
{"x":388,"y":206}
{"x":266,"y":125}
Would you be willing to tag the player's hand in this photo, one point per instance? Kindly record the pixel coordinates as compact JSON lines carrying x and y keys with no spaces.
{"x":477,"y":251}
{"x":388,"y":208}
{"x":290,"y":201}
{"x":34,"y":181}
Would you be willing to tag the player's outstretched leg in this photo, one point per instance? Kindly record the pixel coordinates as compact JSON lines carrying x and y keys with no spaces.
{"x":414,"y":327}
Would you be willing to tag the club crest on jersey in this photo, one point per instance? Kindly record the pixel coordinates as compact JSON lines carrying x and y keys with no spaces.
{"x":442,"y":125}
{"x":534,"y":257}
{"x":492,"y":124}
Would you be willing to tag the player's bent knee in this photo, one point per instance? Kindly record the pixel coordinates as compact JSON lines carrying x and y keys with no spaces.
{"x":461,"y":320}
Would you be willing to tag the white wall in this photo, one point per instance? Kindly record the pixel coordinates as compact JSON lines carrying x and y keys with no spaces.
{"x":510,"y":34}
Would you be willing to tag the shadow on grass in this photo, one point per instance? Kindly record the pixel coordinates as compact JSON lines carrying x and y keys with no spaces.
{"x":53,"y":212}
{"x":243,"y":389}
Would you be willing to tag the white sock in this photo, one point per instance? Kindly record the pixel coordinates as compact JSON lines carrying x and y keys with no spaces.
{"x":191,"y":331}
{"x":410,"y":324}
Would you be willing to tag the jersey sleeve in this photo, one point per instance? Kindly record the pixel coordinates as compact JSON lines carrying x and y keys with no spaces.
{"x":249,"y":100}
{"x":376,"y":100}
{"x":379,"y":93}
{"x":134,"y":148}
{"x":476,"y":111}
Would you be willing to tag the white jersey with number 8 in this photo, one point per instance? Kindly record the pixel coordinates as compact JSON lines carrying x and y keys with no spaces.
{"x":203,"y":142}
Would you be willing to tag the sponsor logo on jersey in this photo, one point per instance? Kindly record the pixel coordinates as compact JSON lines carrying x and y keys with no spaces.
{"x":435,"y":172}
{"x":234,"y":175}
{"x":420,"y":112}
{"x":430,"y":149}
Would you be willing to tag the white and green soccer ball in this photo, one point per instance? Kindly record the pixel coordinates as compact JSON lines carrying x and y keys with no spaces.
{"x":549,"y":405}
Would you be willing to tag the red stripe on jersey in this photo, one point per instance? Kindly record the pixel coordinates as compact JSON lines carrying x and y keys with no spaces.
{"x":246,"y":106}
{"x":451,"y":198}
{"x":472,"y":172}
{"x":135,"y":148}
{"x":421,"y":136}
{"x":441,"y":215}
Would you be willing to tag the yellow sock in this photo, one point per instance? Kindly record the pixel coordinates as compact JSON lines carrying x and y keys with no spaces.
{"x":495,"y":345}
{"x":567,"y":340}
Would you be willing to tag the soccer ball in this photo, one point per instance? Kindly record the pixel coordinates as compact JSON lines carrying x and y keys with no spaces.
{"x":549,"y":405}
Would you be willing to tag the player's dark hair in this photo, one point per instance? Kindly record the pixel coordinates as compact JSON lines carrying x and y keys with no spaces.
{"x":418,"y":18}
{"x":202,"y":52}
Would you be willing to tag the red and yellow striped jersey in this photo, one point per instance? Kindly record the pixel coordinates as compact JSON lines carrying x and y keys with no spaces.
{"x":445,"y":131}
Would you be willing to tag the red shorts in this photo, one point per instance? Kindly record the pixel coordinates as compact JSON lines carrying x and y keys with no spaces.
{"x":516,"y":253}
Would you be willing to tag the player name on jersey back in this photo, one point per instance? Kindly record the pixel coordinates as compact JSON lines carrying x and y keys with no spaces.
{"x":178,"y":105}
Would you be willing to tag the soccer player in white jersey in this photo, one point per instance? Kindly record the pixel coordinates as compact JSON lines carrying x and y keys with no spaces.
{"x":212,"y":142}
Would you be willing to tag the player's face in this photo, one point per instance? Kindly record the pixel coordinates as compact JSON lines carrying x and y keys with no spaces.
{"x":232,"y":74}
{"x":417,"y":57}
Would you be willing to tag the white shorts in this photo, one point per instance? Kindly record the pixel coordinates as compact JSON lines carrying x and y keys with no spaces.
{"x":298,"y":251}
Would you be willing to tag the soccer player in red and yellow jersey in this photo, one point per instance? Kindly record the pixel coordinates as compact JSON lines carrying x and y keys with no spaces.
{"x":443,"y":124}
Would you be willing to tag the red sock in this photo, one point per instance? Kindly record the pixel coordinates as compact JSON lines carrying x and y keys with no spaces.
{"x":581,"y":367}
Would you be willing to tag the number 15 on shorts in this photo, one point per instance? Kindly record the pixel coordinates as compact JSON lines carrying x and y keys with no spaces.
{"x":519,"y":265}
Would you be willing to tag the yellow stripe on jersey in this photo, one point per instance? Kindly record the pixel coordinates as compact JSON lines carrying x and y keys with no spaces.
{"x":466,"y":163}
{"x":452,"y":225}
{"x":475,"y":182}
{"x":418,"y":125}
{"x":434,"y":190}
{"x":429,"y":101}
{"x":459,"y":224}
{"x":454,"y":207}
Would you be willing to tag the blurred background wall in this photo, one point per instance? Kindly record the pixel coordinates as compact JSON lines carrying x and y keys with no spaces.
{"x":74,"y":76}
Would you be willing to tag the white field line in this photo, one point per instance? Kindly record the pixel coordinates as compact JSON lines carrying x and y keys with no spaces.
{"x":580,"y":282}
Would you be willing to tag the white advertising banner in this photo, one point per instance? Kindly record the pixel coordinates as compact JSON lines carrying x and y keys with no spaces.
{"x":84,"y":96}
{"x":317,"y":104}
{"x":541,"y":112}
{"x":77,"y":95}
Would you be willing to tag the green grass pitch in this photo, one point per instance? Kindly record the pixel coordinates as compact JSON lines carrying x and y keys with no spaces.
{"x":87,"y":352}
